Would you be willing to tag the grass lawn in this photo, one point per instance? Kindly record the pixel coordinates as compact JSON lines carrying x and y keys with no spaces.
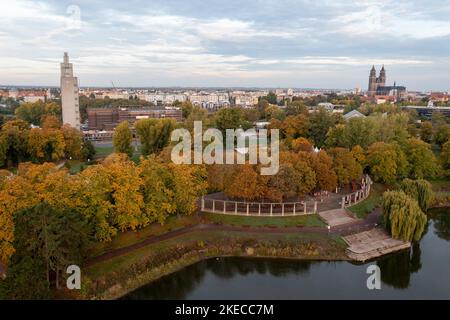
{"x":103,"y":151}
{"x":441,"y":187}
{"x":75,"y":166}
{"x":362,"y":209}
{"x":303,"y":221}
{"x":124,"y":239}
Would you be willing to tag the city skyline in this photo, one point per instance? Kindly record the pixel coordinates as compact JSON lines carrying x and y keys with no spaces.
{"x":298,"y":44}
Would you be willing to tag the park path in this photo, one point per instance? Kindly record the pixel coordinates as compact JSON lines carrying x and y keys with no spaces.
{"x":358,"y":225}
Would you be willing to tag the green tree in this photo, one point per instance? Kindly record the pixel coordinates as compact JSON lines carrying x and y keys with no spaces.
{"x":386,"y":162}
{"x":87,"y":150}
{"x":122,"y":139}
{"x":426,"y":131}
{"x":445,"y":157}
{"x":402,"y":216}
{"x":154,"y":134}
{"x":422,"y":162}
{"x":420,"y":190}
{"x":229,"y":118}
{"x":321,"y":122}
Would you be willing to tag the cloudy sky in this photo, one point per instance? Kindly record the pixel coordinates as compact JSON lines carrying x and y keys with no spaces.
{"x":269,"y":43}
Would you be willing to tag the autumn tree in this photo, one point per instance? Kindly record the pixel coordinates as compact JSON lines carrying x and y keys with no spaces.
{"x":345,"y":165}
{"x":127,"y":199}
{"x":122,"y":139}
{"x":157,"y":189}
{"x":242,"y":183}
{"x":426,"y":131}
{"x":73,"y":141}
{"x":46,"y":144}
{"x":14,"y":136}
{"x":402,"y":216}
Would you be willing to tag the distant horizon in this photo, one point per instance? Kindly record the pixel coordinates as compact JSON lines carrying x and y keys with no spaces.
{"x":203,"y":87}
{"x":264,"y":44}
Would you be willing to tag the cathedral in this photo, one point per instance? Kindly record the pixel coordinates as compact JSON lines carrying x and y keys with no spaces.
{"x":377,"y":85}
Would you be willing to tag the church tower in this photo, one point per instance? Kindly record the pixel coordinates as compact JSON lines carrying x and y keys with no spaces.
{"x":69,"y":94}
{"x":372,"y":82}
{"x":382,"y":79}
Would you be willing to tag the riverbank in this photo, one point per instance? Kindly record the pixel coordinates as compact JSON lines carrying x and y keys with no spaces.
{"x":115,"y":277}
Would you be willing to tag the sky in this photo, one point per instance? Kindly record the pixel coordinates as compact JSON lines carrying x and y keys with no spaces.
{"x":224,"y":43}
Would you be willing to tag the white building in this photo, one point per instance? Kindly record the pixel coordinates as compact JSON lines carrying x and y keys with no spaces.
{"x":69,"y":94}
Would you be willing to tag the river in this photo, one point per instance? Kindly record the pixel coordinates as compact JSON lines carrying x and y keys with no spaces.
{"x":419,"y":273}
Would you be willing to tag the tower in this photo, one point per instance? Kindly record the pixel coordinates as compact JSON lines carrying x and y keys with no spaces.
{"x":372,"y":82}
{"x":69,"y":94}
{"x":382,"y":79}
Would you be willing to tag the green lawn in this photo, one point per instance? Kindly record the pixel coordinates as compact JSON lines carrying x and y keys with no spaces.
{"x":280,"y":222}
{"x":128,"y":238}
{"x":441,"y":187}
{"x":362,"y":209}
{"x":103,"y":151}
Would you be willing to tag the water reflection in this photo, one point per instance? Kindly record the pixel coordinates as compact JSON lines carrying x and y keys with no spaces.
{"x":413,"y":273}
{"x":396,"y":269}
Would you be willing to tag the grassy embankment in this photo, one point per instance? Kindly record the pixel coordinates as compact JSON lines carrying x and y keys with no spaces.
{"x":441,"y":188}
{"x":362,"y":209}
{"x":118,"y":275}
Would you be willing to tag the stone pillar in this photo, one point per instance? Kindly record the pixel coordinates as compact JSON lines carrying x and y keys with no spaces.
{"x":282,"y":209}
{"x":293,"y":210}
{"x":259,"y":209}
{"x":235,"y":208}
{"x":247,"y":209}
{"x":315,"y":206}
{"x":224,"y":207}
{"x":343,"y":203}
{"x":203,"y":203}
{"x":271,"y":209}
{"x":304,"y":207}
{"x":214,"y":206}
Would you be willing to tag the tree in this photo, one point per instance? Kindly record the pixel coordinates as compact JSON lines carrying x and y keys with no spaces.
{"x":15,"y":133}
{"x":31,"y":112}
{"x":426,"y":131}
{"x":345,"y":165}
{"x":274,"y":112}
{"x":57,"y":237}
{"x":126,"y":197}
{"x":322,"y":165}
{"x":229,"y":118}
{"x":243,"y":183}
{"x":154,"y":134}
{"x":186,"y":109}
{"x":320,"y":123}
{"x":158,"y":193}
{"x":87,"y":150}
{"x":50,"y":121}
{"x":73,"y":141}
{"x":445,"y":157}
{"x":122,"y":139}
{"x":422,"y":162}
{"x":420,"y":190}
{"x":26,"y":280}
{"x":46,"y":144}
{"x":402,"y":216}
{"x":386,"y":162}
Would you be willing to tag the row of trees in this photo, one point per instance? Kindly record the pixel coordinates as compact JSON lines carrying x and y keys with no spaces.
{"x":116,"y":195}
{"x":300,"y":173}
{"x":51,"y":142}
